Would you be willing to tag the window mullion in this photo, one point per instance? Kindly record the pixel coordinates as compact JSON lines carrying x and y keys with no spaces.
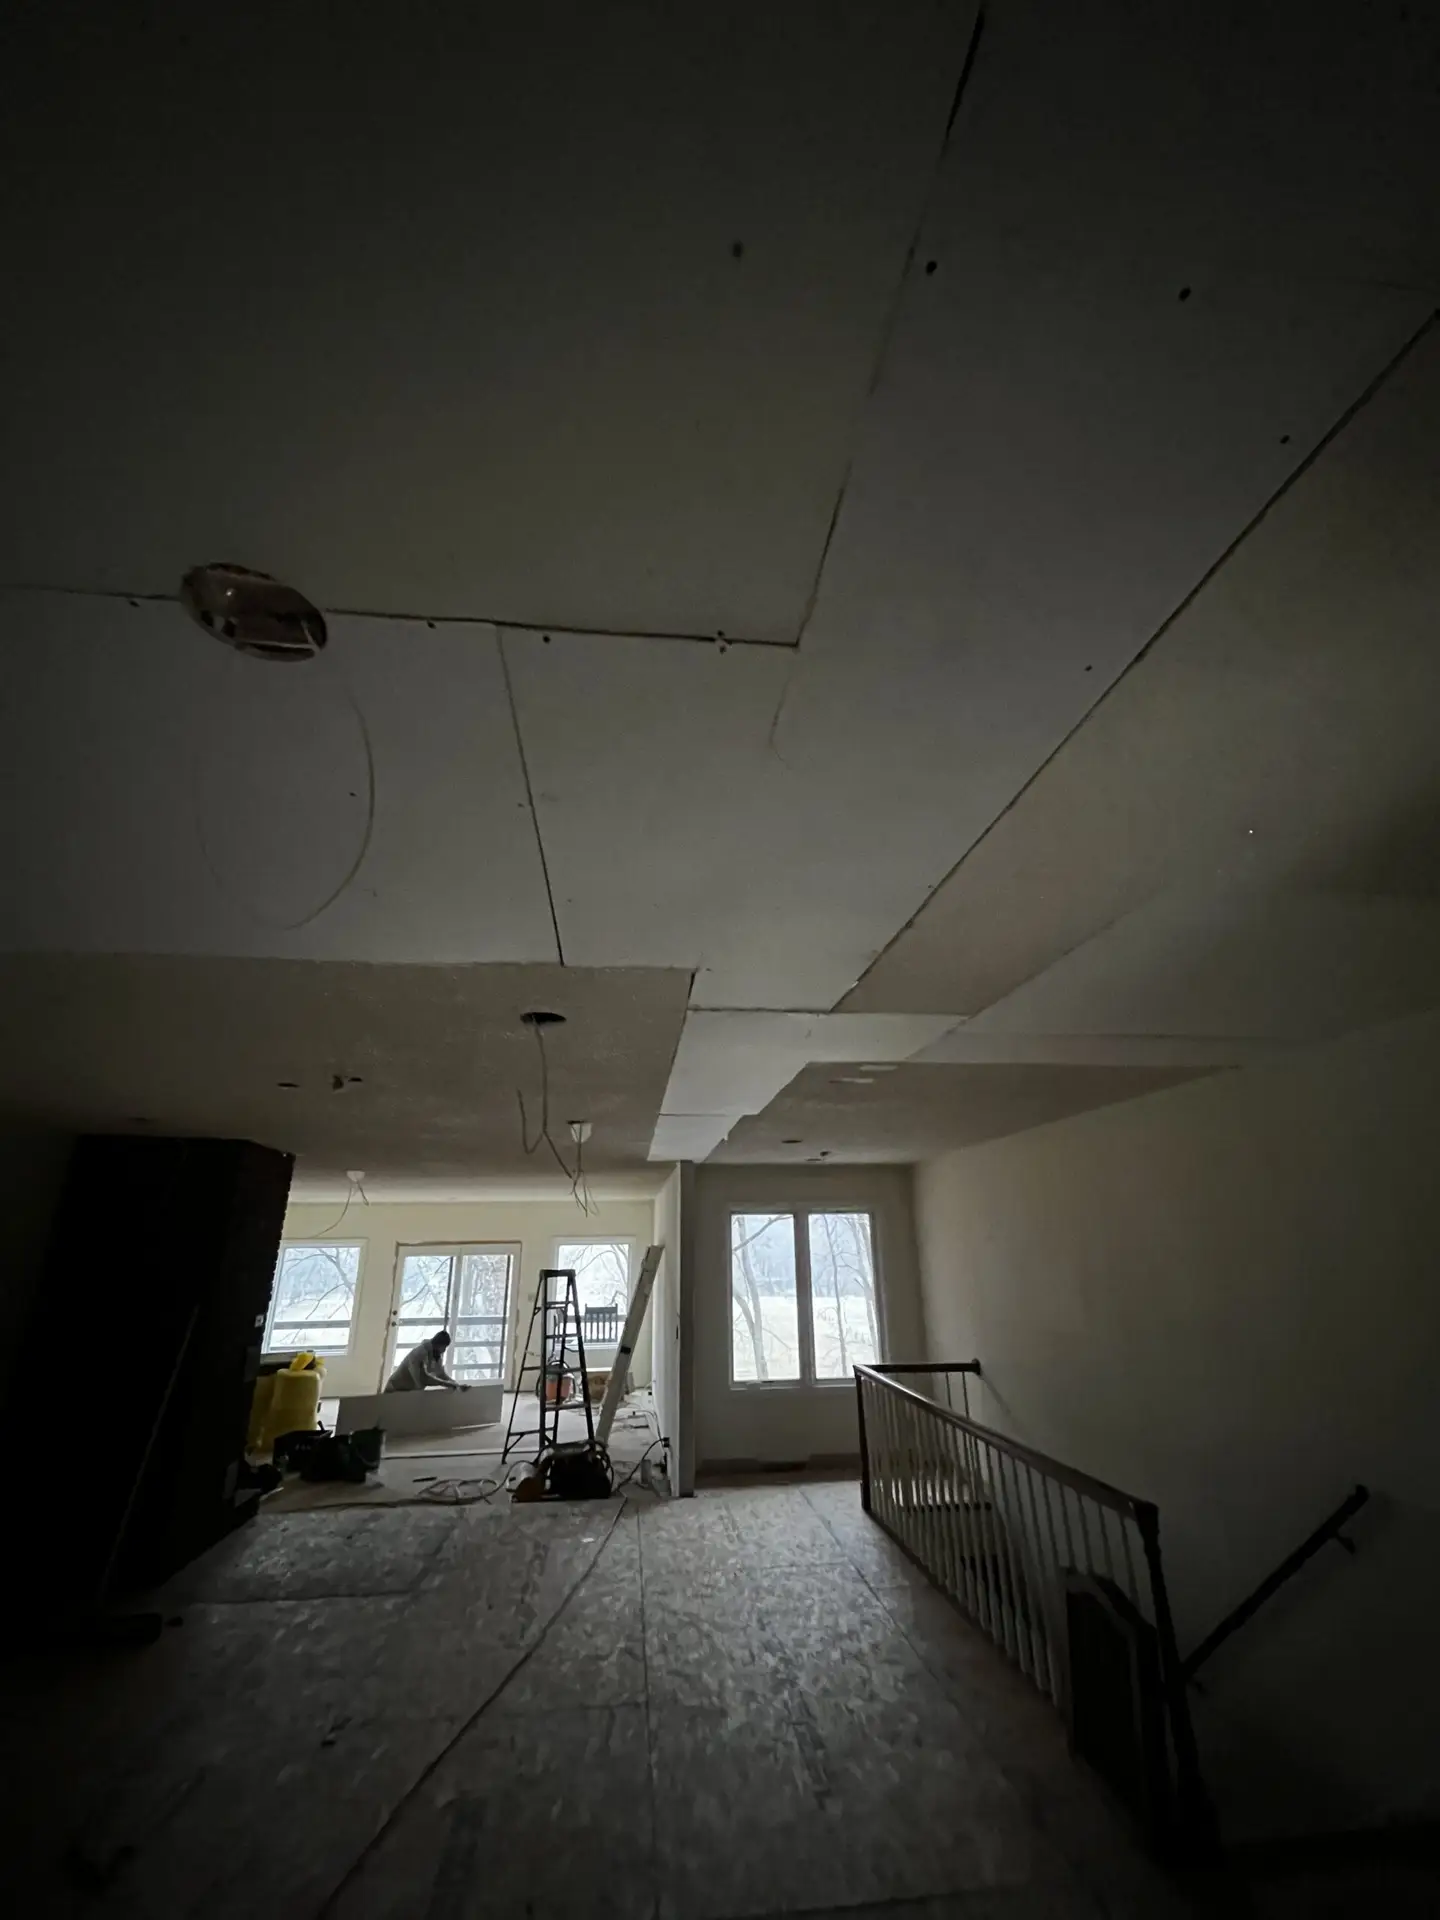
{"x":804,"y":1315}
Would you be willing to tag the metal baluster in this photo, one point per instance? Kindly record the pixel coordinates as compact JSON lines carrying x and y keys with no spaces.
{"x":974,"y":1523}
{"x":954,"y":1556}
{"x":1015,"y":1542}
{"x":1059,"y":1662}
{"x":964,"y":1526}
{"x":1133,"y":1585}
{"x":1089,"y":1567}
{"x":1043,"y":1586}
{"x":1104,"y":1542}
{"x":1000,"y":1525}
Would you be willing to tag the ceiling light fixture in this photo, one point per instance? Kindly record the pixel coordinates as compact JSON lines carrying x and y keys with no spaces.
{"x":253,"y":612}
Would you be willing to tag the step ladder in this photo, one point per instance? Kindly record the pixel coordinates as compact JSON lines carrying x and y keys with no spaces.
{"x":554,"y":1337}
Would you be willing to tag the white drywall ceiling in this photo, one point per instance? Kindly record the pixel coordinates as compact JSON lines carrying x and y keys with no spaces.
{"x":1278,"y":741}
{"x":170,"y":796}
{"x":437,"y":309}
{"x":1057,"y":449}
{"x":836,"y":1114}
{"x":476,"y":341}
{"x":732,"y":1064}
{"x":1224,"y":962}
{"x":429,"y":1060}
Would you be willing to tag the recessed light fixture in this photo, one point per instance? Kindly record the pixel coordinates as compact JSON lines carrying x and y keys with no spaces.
{"x":879,"y":1066}
{"x":851,"y":1080}
{"x":253,"y":612}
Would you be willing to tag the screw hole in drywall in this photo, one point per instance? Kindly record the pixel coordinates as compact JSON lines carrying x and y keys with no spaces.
{"x":1184,"y":293}
{"x":931,"y":265}
{"x":1284,"y":439}
{"x":737,"y":249}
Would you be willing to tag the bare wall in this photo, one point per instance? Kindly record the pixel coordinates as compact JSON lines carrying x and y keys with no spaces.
{"x":382,"y":1229}
{"x":773,"y":1424}
{"x":1223,"y":1297}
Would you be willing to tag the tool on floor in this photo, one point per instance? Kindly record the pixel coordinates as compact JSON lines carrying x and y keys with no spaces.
{"x":560,"y":1470}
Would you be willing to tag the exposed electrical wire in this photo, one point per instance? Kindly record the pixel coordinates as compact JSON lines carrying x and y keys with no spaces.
{"x":637,"y":1466}
{"x":366,"y":836}
{"x":579,"y":1187}
{"x":353,"y":1187}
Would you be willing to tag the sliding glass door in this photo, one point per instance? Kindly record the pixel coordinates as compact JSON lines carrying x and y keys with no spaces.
{"x":465,"y":1291}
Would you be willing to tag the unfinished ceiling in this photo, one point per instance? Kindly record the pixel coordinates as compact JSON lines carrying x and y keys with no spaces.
{"x":842,"y":1112}
{"x":1042,"y":467}
{"x":402,"y":1073}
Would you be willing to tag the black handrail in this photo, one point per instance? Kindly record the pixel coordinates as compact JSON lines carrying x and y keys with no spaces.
{"x":1329,"y":1529}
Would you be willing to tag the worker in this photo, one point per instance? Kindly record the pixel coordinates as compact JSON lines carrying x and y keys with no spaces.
{"x":424,"y":1366}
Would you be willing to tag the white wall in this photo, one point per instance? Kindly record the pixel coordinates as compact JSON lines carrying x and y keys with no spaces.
{"x":1224,"y":1298}
{"x":773,"y":1424}
{"x":383,"y":1229}
{"x":665,"y":1313}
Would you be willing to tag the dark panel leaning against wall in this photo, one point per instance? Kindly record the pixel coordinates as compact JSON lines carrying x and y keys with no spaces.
{"x":136,"y":1365}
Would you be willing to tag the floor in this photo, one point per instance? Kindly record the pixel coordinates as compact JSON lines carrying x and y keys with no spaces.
{"x":468,"y":1464}
{"x":742,"y":1704}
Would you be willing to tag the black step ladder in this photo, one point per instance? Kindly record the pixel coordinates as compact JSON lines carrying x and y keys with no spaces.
{"x":555,"y":1333}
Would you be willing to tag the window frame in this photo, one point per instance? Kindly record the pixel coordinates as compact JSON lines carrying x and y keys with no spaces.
{"x":800,"y":1212}
{"x":362,"y":1248}
{"x":454,"y":1248}
{"x":629,"y":1242}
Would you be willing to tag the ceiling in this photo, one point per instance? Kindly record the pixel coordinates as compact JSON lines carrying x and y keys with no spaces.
{"x":404,"y":1074}
{"x":913,"y":1112}
{"x":867,"y":516}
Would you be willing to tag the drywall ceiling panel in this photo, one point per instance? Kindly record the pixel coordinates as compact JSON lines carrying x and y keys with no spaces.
{"x":429,"y":1058}
{"x":1280,"y":735}
{"x":168,"y":795}
{"x":1126,"y":345}
{"x":673,"y":830}
{"x":1219,"y":962}
{"x":560,"y":313}
{"x":734,"y":1063}
{"x":830,"y":1114}
{"x":980,"y":1045}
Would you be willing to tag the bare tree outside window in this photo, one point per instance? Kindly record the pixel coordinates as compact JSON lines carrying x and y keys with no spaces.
{"x":764,"y":1342}
{"x":842,"y":1294}
{"x":312,"y":1303}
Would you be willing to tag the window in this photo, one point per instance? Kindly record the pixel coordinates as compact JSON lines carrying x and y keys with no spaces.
{"x":463,"y":1291}
{"x":602,"y":1283}
{"x":312,"y":1303}
{"x":803,"y":1303}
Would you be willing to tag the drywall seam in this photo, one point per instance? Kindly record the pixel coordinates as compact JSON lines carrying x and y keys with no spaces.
{"x":530,"y":794}
{"x":877,"y":370}
{"x":544,"y":627}
{"x":1343,"y":420}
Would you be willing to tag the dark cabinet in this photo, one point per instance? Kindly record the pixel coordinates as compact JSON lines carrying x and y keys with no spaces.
{"x":128,"y":1407}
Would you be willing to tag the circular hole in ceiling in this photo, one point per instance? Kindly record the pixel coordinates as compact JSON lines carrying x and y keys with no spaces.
{"x":253,"y":612}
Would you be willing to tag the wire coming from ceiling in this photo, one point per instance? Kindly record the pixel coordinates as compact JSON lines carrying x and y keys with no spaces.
{"x":331,"y":669}
{"x":353,"y":1185}
{"x":579,"y":1186}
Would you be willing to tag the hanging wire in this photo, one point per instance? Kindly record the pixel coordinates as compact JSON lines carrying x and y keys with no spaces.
{"x":579,"y":1185}
{"x":366,"y":836}
{"x":352,"y":1188}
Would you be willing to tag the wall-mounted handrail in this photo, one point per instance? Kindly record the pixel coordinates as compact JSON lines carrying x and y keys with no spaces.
{"x":1329,"y":1529}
